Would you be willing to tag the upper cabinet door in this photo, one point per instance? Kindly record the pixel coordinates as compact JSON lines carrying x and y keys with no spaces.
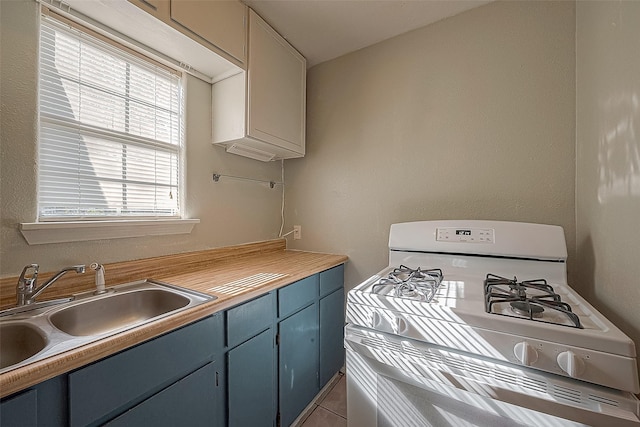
{"x":221,"y":23}
{"x":157,"y":8}
{"x":276,"y":88}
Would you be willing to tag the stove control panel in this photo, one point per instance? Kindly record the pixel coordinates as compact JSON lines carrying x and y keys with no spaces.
{"x":465,"y":235}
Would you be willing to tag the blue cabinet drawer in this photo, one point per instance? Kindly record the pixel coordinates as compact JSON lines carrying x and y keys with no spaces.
{"x":297,"y":295}
{"x":249,"y":319}
{"x":331,"y":279}
{"x":102,"y":390}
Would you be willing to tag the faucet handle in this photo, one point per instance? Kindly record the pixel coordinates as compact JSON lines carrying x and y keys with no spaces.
{"x":25,"y":282}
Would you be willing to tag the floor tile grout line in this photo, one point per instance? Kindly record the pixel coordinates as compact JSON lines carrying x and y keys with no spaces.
{"x":328,"y":410}
{"x":333,"y":412}
{"x":321,"y":402}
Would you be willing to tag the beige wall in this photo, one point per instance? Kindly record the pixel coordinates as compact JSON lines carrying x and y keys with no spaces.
{"x":231,"y":212}
{"x":472,"y":117}
{"x":608,"y":160}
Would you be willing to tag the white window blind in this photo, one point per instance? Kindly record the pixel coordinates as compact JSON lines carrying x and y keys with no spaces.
{"x":111,"y":130}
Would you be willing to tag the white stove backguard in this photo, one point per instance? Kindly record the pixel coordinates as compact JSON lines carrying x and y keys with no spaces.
{"x":494,"y":238}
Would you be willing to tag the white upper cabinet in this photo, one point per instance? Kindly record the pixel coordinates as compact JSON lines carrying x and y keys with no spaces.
{"x":261,"y":113}
{"x":221,"y":23}
{"x":147,"y":26}
{"x":277,"y":88}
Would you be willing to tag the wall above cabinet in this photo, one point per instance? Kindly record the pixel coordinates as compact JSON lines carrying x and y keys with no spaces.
{"x":261,"y":113}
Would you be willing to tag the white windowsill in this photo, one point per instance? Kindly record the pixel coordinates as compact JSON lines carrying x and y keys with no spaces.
{"x":38,"y":233}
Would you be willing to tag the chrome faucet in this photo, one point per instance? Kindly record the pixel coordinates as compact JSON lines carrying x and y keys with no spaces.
{"x":27,"y":289}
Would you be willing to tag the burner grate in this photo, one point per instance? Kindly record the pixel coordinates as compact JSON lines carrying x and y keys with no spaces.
{"x":412,"y":283}
{"x":527,"y":299}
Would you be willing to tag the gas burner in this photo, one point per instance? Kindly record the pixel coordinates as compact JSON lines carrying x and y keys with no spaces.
{"x":526,"y":308}
{"x":529,"y":299}
{"x":412,"y":283}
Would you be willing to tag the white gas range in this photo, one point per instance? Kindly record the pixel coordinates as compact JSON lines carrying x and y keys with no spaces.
{"x":481,"y":312}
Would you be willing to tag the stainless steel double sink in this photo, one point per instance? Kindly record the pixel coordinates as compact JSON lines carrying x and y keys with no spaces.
{"x":34,"y":332}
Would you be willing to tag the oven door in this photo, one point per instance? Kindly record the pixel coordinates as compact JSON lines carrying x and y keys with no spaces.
{"x":393,"y":381}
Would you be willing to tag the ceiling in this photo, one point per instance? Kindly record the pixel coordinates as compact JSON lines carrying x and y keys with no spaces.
{"x":325,"y":29}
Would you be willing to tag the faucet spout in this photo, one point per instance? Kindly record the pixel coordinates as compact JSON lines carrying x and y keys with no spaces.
{"x":28,"y":290}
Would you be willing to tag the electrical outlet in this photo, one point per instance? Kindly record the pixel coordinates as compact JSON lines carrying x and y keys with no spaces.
{"x":297,"y":232}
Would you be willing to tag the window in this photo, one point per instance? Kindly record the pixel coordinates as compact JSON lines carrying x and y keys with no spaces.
{"x":111,"y":130}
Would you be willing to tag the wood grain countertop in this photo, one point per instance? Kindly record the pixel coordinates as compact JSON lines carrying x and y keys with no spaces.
{"x":233,"y":274}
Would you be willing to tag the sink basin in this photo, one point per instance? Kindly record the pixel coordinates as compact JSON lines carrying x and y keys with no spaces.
{"x":43,"y":329}
{"x":18,"y":342}
{"x":115,"y":311}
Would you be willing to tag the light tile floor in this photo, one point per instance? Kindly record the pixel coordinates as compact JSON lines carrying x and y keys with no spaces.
{"x":330,"y":411}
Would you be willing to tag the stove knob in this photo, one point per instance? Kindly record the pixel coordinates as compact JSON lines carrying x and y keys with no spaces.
{"x":402,"y":325}
{"x":570,"y":363}
{"x":376,"y":320}
{"x":525,"y":353}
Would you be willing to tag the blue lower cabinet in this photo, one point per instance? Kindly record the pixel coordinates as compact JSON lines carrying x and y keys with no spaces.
{"x":188,"y":402}
{"x":298,"y":362}
{"x":251,"y":382}
{"x":331,"y":335}
{"x":224,"y":370}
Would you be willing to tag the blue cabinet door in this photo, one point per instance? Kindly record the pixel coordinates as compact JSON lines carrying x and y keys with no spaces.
{"x":251,"y":382}
{"x":298,"y":362}
{"x":19,"y":410}
{"x":185,"y":403}
{"x":331,"y":335}
{"x":43,"y":405}
{"x":220,"y":368}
